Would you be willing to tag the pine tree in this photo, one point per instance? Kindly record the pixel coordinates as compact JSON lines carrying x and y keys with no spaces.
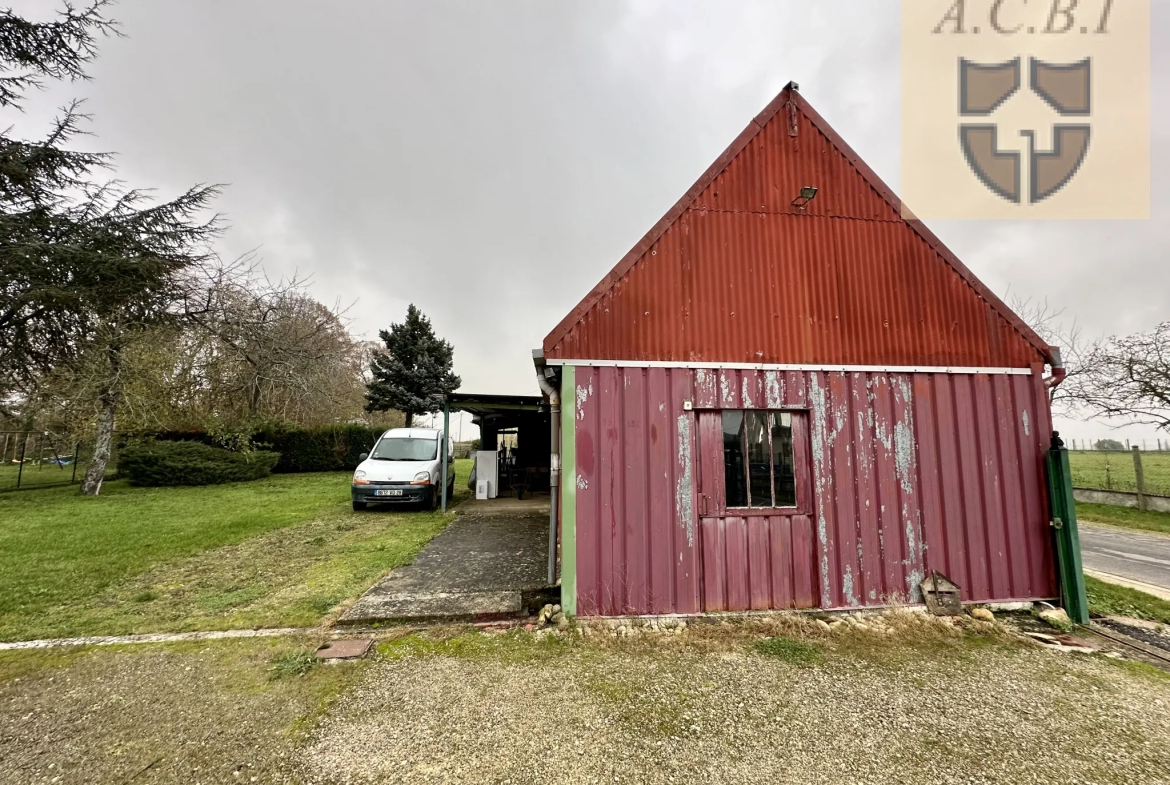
{"x":86,"y":266}
{"x":413,"y":373}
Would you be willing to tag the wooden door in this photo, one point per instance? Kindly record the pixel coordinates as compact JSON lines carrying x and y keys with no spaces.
{"x":756,"y":545}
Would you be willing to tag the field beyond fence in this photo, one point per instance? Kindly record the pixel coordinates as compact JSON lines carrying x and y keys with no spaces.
{"x":1115,"y":471}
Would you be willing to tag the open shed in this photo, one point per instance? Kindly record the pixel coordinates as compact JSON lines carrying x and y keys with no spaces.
{"x":790,"y":395}
{"x":516,"y":428}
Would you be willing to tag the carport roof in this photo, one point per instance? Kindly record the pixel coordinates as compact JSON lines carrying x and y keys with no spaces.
{"x":489,"y":404}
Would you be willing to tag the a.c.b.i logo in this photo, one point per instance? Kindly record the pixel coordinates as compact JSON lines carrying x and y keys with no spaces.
{"x":984,"y":88}
{"x":1026,"y":109}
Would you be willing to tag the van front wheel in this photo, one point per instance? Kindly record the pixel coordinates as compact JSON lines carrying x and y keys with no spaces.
{"x":359,"y":506}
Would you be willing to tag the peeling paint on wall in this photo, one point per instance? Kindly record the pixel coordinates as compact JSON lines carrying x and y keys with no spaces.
{"x":904,"y":456}
{"x":773,"y":390}
{"x":917,"y":550}
{"x":726,"y":391}
{"x":582,"y":484}
{"x":847,"y":587}
{"x":816,"y":397}
{"x":583,"y":394}
{"x":1027,"y":432}
{"x":684,"y":491}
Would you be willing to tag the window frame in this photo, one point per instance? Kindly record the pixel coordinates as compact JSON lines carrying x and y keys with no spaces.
{"x":712,"y":490}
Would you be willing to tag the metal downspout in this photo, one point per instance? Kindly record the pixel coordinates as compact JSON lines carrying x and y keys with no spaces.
{"x":1059,"y":372}
{"x":543,"y":372}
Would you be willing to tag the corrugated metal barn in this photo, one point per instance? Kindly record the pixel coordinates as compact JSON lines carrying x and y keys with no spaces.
{"x":779,"y":400}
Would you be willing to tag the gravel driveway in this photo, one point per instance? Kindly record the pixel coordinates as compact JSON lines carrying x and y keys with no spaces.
{"x":847,"y":706}
{"x":1000,"y":714}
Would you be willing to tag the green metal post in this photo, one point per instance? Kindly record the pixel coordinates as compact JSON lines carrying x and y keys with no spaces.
{"x":1064,"y":523}
{"x":446,"y":430}
{"x":568,"y":498}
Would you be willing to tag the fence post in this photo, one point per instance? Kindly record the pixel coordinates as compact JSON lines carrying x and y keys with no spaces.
{"x":20,"y":466}
{"x":1141,"y":478}
{"x":1064,"y":524}
{"x":76,"y":455}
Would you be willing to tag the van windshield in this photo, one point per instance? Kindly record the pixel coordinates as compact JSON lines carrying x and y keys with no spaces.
{"x":404,"y":448}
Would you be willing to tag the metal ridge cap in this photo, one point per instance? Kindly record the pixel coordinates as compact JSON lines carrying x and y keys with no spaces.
{"x":827,"y":367}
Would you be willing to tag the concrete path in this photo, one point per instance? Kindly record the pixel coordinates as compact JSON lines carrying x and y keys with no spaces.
{"x":1137,"y":557}
{"x":489,"y":562}
{"x":156,"y":637}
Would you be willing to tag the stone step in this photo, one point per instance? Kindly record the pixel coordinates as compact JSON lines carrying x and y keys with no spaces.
{"x":418,"y":606}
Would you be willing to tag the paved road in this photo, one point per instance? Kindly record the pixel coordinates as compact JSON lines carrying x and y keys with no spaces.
{"x":1139,"y":556}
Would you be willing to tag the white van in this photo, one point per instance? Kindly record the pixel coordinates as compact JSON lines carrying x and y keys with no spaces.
{"x":405,"y":467}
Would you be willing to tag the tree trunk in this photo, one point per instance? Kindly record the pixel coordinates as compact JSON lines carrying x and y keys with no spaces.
{"x":254,"y":399}
{"x":104,"y":440}
{"x":409,"y":418}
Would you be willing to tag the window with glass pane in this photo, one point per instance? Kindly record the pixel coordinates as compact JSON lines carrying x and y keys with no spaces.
{"x":783,"y":466}
{"x":733,"y":463}
{"x":758,"y":459}
{"x":755,"y":433}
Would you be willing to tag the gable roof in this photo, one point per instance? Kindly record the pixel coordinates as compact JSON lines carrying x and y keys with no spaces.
{"x":734,"y":273}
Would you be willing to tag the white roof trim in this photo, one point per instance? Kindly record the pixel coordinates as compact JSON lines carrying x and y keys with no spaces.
{"x":775,"y":367}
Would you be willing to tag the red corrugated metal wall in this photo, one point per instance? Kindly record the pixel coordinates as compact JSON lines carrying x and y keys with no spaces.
{"x":910,"y":473}
{"x":741,"y":276}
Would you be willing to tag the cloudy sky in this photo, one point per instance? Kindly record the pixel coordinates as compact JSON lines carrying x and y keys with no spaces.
{"x":490,"y":160}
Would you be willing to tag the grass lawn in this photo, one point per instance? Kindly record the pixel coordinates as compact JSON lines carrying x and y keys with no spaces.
{"x":1126,"y":517}
{"x":282,"y":551}
{"x":1107,"y":599}
{"x":1114,"y":471}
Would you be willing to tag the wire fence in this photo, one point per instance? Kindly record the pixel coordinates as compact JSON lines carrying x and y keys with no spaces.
{"x":1118,"y":445}
{"x":1134,"y":471}
{"x":38,"y":459}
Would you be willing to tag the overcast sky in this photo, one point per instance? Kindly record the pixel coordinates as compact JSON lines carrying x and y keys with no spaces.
{"x":491,"y":160}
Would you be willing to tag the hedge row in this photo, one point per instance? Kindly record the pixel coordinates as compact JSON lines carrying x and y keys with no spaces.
{"x":330,"y":449}
{"x":157,"y":463}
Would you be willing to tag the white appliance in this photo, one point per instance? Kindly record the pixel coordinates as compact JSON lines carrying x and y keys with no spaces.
{"x":487,"y":470}
{"x":481,"y":489}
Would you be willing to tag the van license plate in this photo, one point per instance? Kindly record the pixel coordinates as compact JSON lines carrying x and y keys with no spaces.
{"x":394,"y":492}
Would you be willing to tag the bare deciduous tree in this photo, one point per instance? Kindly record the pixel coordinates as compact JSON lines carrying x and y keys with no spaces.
{"x":1128,"y":378}
{"x":1065,"y":334}
{"x":274,"y":352}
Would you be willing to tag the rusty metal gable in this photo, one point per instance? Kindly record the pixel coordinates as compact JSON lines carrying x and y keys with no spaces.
{"x":760,"y":178}
{"x":735,"y":273}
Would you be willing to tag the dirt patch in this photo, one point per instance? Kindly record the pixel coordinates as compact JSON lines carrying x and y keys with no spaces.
{"x":181,"y":713}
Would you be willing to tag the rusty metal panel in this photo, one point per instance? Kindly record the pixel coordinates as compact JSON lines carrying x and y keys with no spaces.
{"x":757,"y":563}
{"x":661,"y":458}
{"x":908,"y":473}
{"x":589,"y":577}
{"x":734,"y":273}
